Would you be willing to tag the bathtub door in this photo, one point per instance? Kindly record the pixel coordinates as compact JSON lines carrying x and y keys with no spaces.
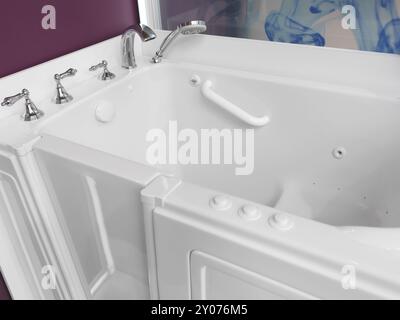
{"x":96,"y":199}
{"x":198,"y":252}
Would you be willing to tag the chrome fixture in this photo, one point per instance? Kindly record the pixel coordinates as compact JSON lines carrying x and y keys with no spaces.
{"x":187,"y":28}
{"x":31,"y":111}
{"x":128,"y":40}
{"x":107,"y":74}
{"x":62,"y":95}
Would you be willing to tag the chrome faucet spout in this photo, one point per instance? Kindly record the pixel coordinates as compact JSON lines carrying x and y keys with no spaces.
{"x":128,"y":43}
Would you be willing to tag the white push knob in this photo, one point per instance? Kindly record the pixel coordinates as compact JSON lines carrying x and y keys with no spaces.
{"x":281,"y":221}
{"x":221,"y":203}
{"x":105,"y":112}
{"x":250,"y":213}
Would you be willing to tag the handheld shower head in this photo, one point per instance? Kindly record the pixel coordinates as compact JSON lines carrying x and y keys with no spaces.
{"x":187,"y":28}
{"x":192,"y":27}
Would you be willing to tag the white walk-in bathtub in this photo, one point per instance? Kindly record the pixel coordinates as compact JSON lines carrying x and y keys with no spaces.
{"x":313,"y":214}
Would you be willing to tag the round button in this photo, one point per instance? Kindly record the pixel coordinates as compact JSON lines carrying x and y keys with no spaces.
{"x":281,"y":221}
{"x":220,"y":203}
{"x":339,"y":153}
{"x":105,"y":112}
{"x":250,"y":212}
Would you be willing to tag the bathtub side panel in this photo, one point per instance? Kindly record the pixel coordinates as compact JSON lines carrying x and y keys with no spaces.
{"x":203,"y":253}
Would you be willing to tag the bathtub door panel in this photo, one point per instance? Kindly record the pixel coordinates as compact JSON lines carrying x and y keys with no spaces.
{"x":96,"y":199}
{"x":216,"y":279}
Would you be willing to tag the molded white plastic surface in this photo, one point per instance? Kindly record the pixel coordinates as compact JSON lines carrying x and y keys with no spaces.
{"x":294,"y":168}
{"x":332,"y":100}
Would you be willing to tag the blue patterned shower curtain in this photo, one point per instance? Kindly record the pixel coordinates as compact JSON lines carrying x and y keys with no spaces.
{"x":312,"y":22}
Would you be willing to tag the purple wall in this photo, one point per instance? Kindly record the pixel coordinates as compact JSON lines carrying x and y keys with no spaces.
{"x":80,"y":23}
{"x":4,"y":295}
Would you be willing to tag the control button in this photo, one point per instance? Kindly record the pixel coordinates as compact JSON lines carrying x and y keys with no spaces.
{"x":250,"y":212}
{"x":281,"y":221}
{"x":221,"y":203}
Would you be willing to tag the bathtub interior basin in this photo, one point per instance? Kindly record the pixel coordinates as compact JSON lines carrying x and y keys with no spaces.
{"x":329,"y":153}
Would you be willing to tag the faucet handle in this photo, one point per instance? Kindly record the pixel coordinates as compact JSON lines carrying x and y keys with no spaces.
{"x":9,"y":101}
{"x":31,"y":111}
{"x":69,"y":73}
{"x":103,"y":64}
{"x":107,"y":74}
{"x":62,"y":96}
